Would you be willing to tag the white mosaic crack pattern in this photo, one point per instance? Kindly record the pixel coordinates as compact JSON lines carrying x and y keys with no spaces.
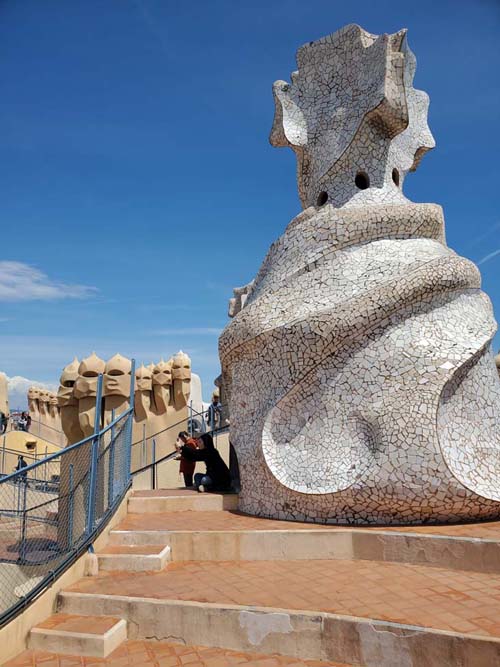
{"x":357,"y":365}
{"x":351,"y":107}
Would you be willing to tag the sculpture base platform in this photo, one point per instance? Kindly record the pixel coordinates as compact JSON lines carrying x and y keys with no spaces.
{"x":283,"y":593}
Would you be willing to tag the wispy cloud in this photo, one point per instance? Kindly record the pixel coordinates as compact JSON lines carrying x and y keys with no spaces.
{"x":489,"y":256}
{"x":22,"y":282}
{"x":172,"y":307}
{"x":151,"y":24}
{"x":189,"y":331}
{"x":44,"y":357}
{"x":213,"y":285}
{"x":485,"y":235}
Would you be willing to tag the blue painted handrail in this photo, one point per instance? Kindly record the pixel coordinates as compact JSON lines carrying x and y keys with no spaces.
{"x":72,"y":507}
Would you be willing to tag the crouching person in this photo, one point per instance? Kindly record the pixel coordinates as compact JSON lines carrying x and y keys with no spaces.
{"x":217,"y":476}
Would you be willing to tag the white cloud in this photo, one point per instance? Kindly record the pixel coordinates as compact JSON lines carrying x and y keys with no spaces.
{"x":487,"y":258}
{"x":18,"y":388}
{"x":22,"y":282}
{"x":186,"y":331}
{"x":44,"y":357}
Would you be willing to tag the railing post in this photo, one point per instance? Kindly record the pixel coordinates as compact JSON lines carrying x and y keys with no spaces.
{"x":18,"y":503}
{"x":22,"y":549}
{"x":143,"y":456}
{"x":111,"y":475}
{"x":128,"y":441}
{"x":153,"y":467}
{"x":71,"y":507}
{"x":190,"y":418}
{"x":3,"y":455}
{"x":94,"y":461}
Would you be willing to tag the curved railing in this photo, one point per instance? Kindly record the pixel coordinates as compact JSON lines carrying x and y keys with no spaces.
{"x":48,"y":433}
{"x":44,"y":431}
{"x":145,"y":455}
{"x":47,"y":520}
{"x":9,"y":458}
{"x":143,"y":449}
{"x":195,"y":421}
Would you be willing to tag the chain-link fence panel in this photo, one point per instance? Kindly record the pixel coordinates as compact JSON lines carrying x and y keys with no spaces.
{"x":52,"y":509}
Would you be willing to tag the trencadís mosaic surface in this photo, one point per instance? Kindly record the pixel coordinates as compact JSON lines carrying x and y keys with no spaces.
{"x":358,"y":367}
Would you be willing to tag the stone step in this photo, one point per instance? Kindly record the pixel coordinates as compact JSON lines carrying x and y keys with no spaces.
{"x":356,"y":612}
{"x":87,"y":635}
{"x":142,"y":653}
{"x":176,"y":500}
{"x":134,"y":558}
{"x":138,"y":538}
{"x":224,"y":535}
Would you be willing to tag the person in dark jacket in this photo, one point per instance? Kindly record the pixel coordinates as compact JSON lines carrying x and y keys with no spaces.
{"x":217,"y":477}
{"x":4,"y":420}
{"x":22,"y":424}
{"x":21,"y":464}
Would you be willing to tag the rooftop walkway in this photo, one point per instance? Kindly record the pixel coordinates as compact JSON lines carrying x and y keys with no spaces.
{"x":160,"y":654}
{"x":187,"y":580}
{"x":453,"y":601}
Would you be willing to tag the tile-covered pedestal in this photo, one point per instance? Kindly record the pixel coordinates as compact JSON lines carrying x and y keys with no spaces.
{"x":358,"y":363}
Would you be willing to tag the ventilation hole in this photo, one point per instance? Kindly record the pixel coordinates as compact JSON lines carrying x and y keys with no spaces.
{"x":395,"y":177}
{"x":322,"y":199}
{"x":362,"y":181}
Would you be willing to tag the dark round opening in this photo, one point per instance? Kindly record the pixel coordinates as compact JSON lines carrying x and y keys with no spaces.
{"x":322,"y":198}
{"x":362,"y":181}
{"x":395,"y":177}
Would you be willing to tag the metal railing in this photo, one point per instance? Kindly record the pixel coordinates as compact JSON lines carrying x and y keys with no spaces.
{"x":48,"y":433}
{"x":40,"y":430}
{"x":9,"y":457}
{"x":146,"y":454}
{"x":47,"y":520}
{"x":146,"y":448}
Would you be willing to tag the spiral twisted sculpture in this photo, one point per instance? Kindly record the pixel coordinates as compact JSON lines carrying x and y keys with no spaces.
{"x":358,"y":363}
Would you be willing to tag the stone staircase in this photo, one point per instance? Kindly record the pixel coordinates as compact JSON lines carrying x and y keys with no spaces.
{"x":92,"y":636}
{"x":186,"y":578}
{"x":134,"y":557}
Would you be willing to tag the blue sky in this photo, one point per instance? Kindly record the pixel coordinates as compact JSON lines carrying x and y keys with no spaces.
{"x":137,"y":182}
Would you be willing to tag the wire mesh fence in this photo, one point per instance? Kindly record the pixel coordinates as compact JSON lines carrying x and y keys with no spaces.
{"x":51,"y":510}
{"x":9,"y":458}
